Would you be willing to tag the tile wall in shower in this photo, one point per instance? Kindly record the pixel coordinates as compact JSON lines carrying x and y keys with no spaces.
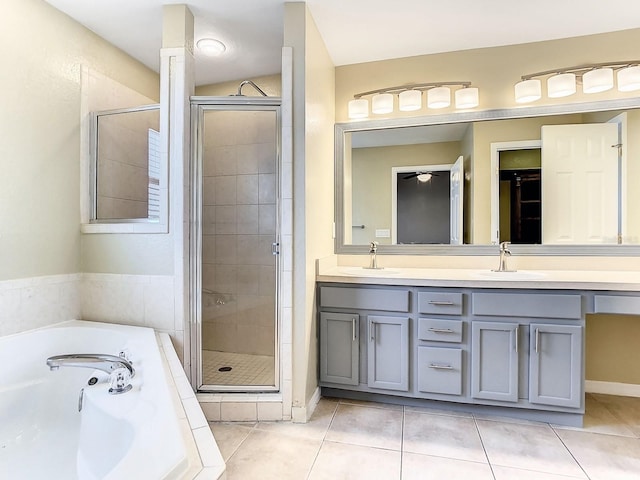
{"x":239,"y":227}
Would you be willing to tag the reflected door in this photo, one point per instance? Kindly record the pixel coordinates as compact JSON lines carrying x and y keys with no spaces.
{"x":580,"y":174}
{"x":456,"y":198}
{"x":238,"y":203}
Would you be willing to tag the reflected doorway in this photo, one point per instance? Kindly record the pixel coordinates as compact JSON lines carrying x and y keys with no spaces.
{"x":520,"y":196}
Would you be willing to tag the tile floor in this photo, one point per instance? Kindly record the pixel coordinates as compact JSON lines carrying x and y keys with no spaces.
{"x":245,"y":369}
{"x":354,"y":440}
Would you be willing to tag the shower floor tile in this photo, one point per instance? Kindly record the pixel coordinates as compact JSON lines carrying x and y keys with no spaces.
{"x":246,"y":369}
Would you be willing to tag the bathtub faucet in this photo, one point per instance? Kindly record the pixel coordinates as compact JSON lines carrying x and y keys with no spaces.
{"x":119,"y":368}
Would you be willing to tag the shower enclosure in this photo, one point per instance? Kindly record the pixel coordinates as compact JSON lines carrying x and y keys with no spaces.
{"x":234,"y":243}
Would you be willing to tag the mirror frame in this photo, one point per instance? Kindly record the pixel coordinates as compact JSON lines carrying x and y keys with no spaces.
{"x":499,"y":114}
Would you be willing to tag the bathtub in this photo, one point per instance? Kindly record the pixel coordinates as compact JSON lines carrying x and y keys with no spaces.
{"x":61,"y":425}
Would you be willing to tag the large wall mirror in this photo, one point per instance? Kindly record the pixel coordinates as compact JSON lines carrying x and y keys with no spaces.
{"x":554,"y":180}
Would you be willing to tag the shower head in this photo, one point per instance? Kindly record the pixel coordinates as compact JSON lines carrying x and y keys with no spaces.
{"x":239,"y":94}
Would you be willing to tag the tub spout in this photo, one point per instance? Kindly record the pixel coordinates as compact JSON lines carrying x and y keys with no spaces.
{"x":96,"y":361}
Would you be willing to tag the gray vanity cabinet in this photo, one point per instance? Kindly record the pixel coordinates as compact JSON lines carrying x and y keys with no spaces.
{"x":339,"y":348}
{"x":488,"y":348}
{"x":495,"y":360}
{"x":555,"y":365}
{"x":388,"y":352}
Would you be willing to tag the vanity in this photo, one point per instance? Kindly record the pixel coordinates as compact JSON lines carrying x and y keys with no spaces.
{"x":464,"y":339}
{"x":508,"y":343}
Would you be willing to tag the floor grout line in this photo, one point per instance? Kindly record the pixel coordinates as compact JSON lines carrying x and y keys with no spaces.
{"x":570,"y":453}
{"x":315,"y":459}
{"x":484,"y":449}
{"x":404,"y":410}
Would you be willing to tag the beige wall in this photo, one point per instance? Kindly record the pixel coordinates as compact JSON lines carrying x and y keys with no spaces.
{"x":319,"y":119}
{"x":371,"y":182}
{"x":612,"y":348}
{"x":43,"y":52}
{"x":494,"y":70}
{"x":313,"y":118}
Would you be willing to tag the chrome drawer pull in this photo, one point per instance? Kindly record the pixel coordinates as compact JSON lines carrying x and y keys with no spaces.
{"x":440,"y":302}
{"x":353,"y":329}
{"x":440,"y":330}
{"x":440,"y":367}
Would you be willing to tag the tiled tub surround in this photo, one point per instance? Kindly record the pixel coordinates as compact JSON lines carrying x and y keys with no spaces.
{"x":35,"y":302}
{"x":139,"y":300}
{"x":158,"y":415}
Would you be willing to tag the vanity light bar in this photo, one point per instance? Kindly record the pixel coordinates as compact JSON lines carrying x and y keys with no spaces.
{"x":595,"y":78}
{"x":410,"y":98}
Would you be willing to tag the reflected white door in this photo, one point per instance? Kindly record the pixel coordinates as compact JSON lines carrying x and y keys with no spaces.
{"x":456,"y":198}
{"x":579,"y":184}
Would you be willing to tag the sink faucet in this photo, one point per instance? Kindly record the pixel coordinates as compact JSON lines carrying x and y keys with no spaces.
{"x":119,"y":368}
{"x":504,"y":253}
{"x":373,"y":250}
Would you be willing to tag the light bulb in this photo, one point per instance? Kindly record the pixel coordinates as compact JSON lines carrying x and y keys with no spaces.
{"x":528,"y":91}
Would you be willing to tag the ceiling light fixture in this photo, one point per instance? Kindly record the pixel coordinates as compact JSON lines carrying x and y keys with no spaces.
{"x":595,"y":78}
{"x":410,"y":98}
{"x":211,"y":47}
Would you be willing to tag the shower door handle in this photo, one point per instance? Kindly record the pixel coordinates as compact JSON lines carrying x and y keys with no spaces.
{"x":275,"y":248}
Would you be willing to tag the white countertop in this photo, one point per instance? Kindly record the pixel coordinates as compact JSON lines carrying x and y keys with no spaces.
{"x":459,"y":277}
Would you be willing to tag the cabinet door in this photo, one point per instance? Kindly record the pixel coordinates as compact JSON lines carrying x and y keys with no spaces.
{"x":494,"y":361}
{"x":556,"y":365}
{"x":339,"y":348}
{"x":388,"y":353}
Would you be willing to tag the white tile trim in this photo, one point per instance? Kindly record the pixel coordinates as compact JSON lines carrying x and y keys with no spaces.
{"x":211,"y":461}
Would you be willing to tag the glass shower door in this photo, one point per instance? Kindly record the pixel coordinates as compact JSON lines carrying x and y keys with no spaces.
{"x":238,"y":238}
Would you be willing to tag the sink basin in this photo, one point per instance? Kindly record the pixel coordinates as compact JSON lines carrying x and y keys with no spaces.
{"x":524,"y":275}
{"x":368,"y":272}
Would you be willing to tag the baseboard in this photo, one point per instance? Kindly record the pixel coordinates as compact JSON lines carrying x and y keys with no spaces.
{"x":303,"y":414}
{"x":612,"y":388}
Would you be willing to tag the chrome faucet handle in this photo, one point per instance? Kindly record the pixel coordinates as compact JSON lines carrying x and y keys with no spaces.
{"x":504,"y":248}
{"x":373,"y":247}
{"x":120,"y":381}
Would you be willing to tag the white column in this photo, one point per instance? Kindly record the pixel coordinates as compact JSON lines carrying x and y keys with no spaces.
{"x":177,"y":84}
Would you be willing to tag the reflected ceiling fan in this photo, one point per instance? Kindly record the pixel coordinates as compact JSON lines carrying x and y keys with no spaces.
{"x":422,"y":177}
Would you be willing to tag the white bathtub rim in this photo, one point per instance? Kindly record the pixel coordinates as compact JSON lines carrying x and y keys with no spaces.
{"x":197,"y":434}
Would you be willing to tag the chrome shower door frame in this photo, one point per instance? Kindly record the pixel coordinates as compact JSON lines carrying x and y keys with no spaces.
{"x":200,"y":105}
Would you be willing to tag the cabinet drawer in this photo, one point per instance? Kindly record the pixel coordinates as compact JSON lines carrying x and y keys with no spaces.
{"x":527,"y":305}
{"x":440,"y":303}
{"x":616,"y":304}
{"x":438,"y":330}
{"x":365,"y":299}
{"x":440,"y":370}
